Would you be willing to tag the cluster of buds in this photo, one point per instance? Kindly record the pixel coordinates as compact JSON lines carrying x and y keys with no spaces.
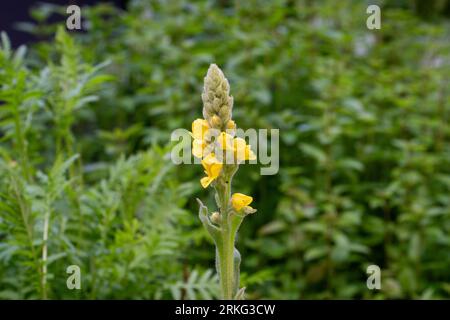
{"x":221,"y":153}
{"x":217,"y":102}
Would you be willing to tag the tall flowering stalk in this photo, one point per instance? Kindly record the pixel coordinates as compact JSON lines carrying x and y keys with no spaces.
{"x":222,"y":153}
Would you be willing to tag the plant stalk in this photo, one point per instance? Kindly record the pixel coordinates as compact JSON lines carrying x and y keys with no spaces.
{"x":226,"y":264}
{"x":225,"y":247}
{"x":45,"y":254}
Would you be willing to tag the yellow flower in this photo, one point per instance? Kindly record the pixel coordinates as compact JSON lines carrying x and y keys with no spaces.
{"x":242,"y":150}
{"x":240,"y":200}
{"x":225,"y":141}
{"x":249,"y":155}
{"x":212,"y":168}
{"x":198,"y":148}
{"x":199,"y":128}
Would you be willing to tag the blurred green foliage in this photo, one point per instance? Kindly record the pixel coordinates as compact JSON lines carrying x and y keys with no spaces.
{"x":364,"y":156}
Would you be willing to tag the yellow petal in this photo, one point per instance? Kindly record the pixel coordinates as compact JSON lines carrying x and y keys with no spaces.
{"x":209,"y":159}
{"x":206,"y":181}
{"x":249,"y":155}
{"x":199,"y":128}
{"x":225,"y":141}
{"x":239,"y":148}
{"x":214,"y":170}
{"x":240,"y":200}
{"x":239,"y":144}
{"x":242,"y":150}
{"x":213,"y":167}
{"x":198,"y":148}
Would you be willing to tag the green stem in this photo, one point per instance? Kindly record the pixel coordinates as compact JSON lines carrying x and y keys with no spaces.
{"x":226,"y":264}
{"x":21,"y":143}
{"x":226,"y":246}
{"x":45,"y":252}
{"x":27,"y":224}
{"x":227,"y":257}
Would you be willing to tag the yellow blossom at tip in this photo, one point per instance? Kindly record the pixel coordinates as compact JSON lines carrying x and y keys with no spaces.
{"x":212,"y":167}
{"x":199,"y":128}
{"x":240,"y":200}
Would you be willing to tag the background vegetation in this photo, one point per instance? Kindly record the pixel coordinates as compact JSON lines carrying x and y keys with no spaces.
{"x":85,"y":122}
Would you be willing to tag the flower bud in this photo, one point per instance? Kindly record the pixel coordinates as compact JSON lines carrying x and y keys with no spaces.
{"x":231,"y":125}
{"x":215,"y":217}
{"x":216,"y":122}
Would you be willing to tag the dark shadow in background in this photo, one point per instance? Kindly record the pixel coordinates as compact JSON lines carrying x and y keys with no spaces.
{"x":14,"y":11}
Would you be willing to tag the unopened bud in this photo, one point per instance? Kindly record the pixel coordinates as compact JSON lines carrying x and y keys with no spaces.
{"x":215,"y":217}
{"x":217,"y":101}
{"x":216,"y":122}
{"x":231,"y":125}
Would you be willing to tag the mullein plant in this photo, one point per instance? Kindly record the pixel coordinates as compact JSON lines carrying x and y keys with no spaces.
{"x":221,"y":153}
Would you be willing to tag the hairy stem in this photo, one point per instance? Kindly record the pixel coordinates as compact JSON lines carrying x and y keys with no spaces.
{"x":226,"y":264}
{"x":226,"y":246}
